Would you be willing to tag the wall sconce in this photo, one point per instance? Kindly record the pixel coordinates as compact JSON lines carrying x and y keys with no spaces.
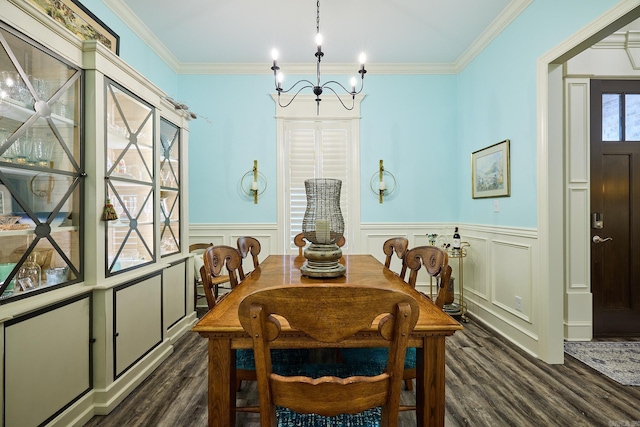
{"x":383,"y":183}
{"x":254,"y":183}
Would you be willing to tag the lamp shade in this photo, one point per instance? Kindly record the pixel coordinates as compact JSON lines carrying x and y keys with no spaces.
{"x":323,"y":222}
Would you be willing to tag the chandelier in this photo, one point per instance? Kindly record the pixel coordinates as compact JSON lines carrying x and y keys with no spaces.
{"x":318,"y":87}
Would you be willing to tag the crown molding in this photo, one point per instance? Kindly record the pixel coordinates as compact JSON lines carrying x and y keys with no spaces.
{"x":141,"y":30}
{"x":511,"y":12}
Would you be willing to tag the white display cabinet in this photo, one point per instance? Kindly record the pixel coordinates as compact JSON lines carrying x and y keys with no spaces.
{"x":79,"y":126}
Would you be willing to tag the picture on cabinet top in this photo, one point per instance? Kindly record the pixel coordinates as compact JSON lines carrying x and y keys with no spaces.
{"x":80,"y":21}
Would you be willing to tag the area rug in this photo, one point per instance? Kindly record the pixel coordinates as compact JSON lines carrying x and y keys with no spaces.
{"x":619,"y":361}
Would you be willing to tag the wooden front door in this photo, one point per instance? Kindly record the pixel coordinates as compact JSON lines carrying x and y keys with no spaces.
{"x":615,"y":207}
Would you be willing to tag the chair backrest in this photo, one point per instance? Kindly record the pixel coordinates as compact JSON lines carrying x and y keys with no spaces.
{"x":399,"y":245}
{"x":301,"y":242}
{"x":345,"y":311}
{"x":207,"y":285}
{"x":248,"y":245}
{"x":198,"y":261}
{"x":436,"y":262}
{"x":216,"y":257}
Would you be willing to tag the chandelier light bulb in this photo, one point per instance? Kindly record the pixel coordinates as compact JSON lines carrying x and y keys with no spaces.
{"x":279,"y":79}
{"x":362,"y":58}
{"x":9,"y":82}
{"x":353,"y":84}
{"x":318,"y":39}
{"x":274,"y":54}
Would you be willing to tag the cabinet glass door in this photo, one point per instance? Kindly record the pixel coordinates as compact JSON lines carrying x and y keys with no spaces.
{"x":41,"y":167}
{"x":129,"y":179}
{"x":169,"y":188}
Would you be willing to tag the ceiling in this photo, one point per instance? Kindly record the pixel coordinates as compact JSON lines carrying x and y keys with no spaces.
{"x":238,"y":35}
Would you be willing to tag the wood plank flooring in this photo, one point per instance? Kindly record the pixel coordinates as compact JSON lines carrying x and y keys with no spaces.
{"x":489,"y":383}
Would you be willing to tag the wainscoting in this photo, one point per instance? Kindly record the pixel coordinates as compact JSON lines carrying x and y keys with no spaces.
{"x":501,"y":281}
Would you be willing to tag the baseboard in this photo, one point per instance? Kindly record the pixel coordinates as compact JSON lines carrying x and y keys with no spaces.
{"x":107,"y":399}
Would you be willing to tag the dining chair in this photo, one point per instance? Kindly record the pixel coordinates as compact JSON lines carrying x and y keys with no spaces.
{"x":215,"y":258}
{"x":197,"y":249}
{"x":436,"y":264}
{"x":399,"y":245}
{"x":318,"y":394}
{"x":300,"y":241}
{"x":248,"y":245}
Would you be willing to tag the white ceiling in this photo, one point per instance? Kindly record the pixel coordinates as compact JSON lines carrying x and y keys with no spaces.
{"x":219,"y":35}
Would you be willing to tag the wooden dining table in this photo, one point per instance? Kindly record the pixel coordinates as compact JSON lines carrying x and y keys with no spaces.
{"x":222,"y":328}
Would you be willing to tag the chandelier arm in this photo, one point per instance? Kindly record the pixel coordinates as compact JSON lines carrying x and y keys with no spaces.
{"x":326,"y":84}
{"x":294,"y":96}
{"x":353,"y":102}
{"x":309,"y":84}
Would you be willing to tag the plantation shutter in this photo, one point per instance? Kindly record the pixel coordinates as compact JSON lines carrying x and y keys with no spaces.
{"x":314,"y":150}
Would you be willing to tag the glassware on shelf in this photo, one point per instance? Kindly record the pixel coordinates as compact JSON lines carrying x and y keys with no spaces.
{"x":29,"y":275}
{"x":23,"y":148}
{"x":56,"y":275}
{"x":9,"y":83}
{"x":5,"y":269}
{"x":42,"y":152}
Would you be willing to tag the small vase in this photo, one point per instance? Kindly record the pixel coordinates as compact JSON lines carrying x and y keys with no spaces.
{"x":29,"y":275}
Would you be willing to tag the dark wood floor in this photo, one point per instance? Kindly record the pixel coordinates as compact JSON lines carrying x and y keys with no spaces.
{"x":489,"y":383}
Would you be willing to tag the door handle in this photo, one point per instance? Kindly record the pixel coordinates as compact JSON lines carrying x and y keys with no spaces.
{"x":598,"y":239}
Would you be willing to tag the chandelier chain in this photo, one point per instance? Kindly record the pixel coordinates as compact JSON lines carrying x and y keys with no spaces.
{"x":318,"y":17}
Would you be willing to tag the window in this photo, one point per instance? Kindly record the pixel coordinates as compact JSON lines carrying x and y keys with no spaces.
{"x":620,"y":116}
{"x":315,"y":150}
{"x":317,"y":146}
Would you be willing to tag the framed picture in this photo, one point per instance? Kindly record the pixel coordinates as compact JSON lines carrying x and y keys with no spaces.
{"x":490,"y":171}
{"x":80,"y":21}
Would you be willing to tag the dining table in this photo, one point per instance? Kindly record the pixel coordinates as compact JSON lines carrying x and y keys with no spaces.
{"x":221,"y":326}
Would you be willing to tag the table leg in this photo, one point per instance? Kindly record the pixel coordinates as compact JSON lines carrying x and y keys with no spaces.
{"x":222,"y":395}
{"x":430,"y":386}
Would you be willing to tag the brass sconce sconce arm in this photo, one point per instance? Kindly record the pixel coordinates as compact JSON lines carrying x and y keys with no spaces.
{"x":253,"y":183}
{"x":383,"y":183}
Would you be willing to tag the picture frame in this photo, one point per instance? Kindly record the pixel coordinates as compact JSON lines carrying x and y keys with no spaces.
{"x":74,"y":16}
{"x":491,"y":171}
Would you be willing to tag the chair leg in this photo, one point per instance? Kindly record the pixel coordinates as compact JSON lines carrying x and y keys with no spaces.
{"x":409,"y":384}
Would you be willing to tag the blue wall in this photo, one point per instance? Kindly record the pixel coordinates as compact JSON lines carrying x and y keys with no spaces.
{"x":409,"y":122}
{"x":497,"y":100}
{"x":424,"y":127}
{"x":235,"y":126}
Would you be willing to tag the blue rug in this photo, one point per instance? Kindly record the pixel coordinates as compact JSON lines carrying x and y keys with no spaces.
{"x":619,"y":361}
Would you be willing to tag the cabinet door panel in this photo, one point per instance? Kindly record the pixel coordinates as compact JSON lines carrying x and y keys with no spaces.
{"x":174,"y":293}
{"x":41,"y":168}
{"x":47,"y":358}
{"x":130,"y":182}
{"x":137,"y":311}
{"x":170,"y":187}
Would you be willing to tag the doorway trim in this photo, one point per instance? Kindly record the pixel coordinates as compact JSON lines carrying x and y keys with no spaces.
{"x":551,"y":158}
